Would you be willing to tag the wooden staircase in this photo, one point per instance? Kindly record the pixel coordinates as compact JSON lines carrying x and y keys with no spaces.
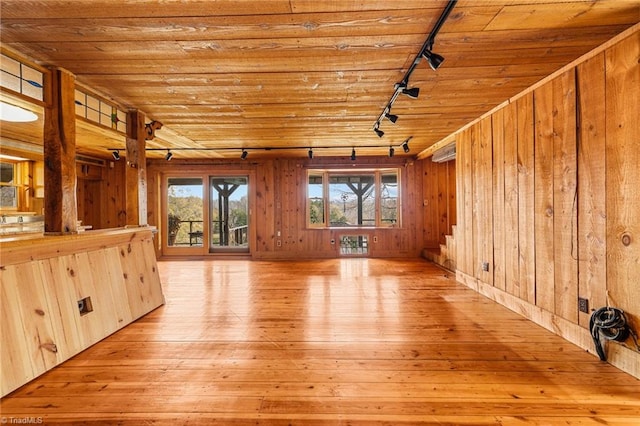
{"x":446,"y":255}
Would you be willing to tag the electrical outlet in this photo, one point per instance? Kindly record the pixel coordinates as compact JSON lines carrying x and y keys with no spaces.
{"x":485,"y":266}
{"x":583,"y":305}
{"x":279,"y":243}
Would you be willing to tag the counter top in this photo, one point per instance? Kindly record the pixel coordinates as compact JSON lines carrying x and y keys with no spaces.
{"x":27,"y":247}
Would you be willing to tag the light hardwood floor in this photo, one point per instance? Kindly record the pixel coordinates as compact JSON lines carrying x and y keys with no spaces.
{"x":346,"y":341}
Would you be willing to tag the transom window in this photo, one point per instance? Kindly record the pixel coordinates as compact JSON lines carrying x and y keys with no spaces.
{"x":363,"y":198}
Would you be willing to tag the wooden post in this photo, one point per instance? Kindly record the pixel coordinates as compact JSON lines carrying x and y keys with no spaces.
{"x":60,"y":208}
{"x":136,"y":174}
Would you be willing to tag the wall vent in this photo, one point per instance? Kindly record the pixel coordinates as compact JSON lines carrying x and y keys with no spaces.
{"x":444,"y":154}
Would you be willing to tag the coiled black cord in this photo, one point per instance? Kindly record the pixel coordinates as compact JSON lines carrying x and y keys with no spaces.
{"x":610,"y":324}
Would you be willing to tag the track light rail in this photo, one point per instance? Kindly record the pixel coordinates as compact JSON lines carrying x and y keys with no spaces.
{"x":425,"y":51}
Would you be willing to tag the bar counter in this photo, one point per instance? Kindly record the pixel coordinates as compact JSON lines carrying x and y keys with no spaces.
{"x":64,"y":293}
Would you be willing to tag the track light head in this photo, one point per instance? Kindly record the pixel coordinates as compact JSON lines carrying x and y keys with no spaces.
{"x":412,"y":93}
{"x":405,"y":146}
{"x":391,"y":117}
{"x":310,"y":153}
{"x":116,"y":155}
{"x":391,"y":151}
{"x":244,"y":154}
{"x":169,"y":155}
{"x":353,"y":154}
{"x":379,"y":132}
{"x":433,"y":59}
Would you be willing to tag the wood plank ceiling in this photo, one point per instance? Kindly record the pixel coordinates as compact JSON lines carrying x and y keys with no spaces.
{"x":305,"y":73}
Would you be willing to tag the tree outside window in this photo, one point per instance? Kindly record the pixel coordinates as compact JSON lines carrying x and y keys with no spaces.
{"x":353,"y":199}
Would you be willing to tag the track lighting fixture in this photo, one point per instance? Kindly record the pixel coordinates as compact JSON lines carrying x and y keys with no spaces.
{"x":433,"y":59}
{"x":353,"y":154}
{"x":379,"y":132}
{"x":310,"y":153}
{"x":392,"y":118}
{"x":169,"y":155}
{"x":405,"y":146}
{"x":412,"y":93}
{"x":244,"y":154}
{"x":116,"y":155}
{"x":391,"y":151}
{"x":425,"y":52}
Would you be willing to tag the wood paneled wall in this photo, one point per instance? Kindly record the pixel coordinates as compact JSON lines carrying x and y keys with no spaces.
{"x":101,"y":195}
{"x":280,"y":203}
{"x":548,"y":197}
{"x":43,"y":279}
{"x":439,"y":203}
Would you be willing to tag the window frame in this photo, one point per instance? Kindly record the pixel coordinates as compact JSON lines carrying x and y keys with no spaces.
{"x":15,"y":184}
{"x":377,"y":173}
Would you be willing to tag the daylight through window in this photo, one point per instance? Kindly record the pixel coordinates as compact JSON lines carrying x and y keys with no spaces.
{"x":366,"y":198}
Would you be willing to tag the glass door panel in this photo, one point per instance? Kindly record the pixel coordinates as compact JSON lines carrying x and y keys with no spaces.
{"x":229,"y":214}
{"x":185,"y":208}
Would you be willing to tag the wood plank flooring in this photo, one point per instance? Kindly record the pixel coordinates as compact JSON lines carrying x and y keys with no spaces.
{"x":345,"y":341}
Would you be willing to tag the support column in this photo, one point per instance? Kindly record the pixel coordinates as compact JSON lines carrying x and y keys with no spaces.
{"x":136,"y":173}
{"x":60,"y":204}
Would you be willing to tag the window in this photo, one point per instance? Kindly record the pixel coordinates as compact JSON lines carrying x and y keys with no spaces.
{"x":366,"y":198}
{"x":8,"y":186}
{"x":98,"y":111}
{"x":20,"y":78}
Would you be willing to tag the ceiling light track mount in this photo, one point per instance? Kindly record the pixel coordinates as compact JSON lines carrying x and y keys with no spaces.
{"x":244,"y":152}
{"x":433,"y":59}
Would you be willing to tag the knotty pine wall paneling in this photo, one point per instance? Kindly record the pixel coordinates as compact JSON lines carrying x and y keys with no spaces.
{"x":622,"y":162}
{"x":410,"y":242}
{"x":565,"y":171}
{"x":591,"y":102}
{"x":565,"y":197}
{"x":483,"y":200}
{"x":100,"y":195}
{"x":499,"y":229}
{"x":452,"y":201}
{"x":430,"y":203}
{"x":280,"y":205}
{"x":439,"y":201}
{"x":112,"y":192}
{"x":509,"y":179}
{"x":526,"y":199}
{"x":465,"y":242}
{"x":265,"y":204}
{"x":543,"y":198}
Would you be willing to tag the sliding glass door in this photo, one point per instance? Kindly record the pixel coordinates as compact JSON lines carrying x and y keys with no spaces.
{"x":185,"y":206}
